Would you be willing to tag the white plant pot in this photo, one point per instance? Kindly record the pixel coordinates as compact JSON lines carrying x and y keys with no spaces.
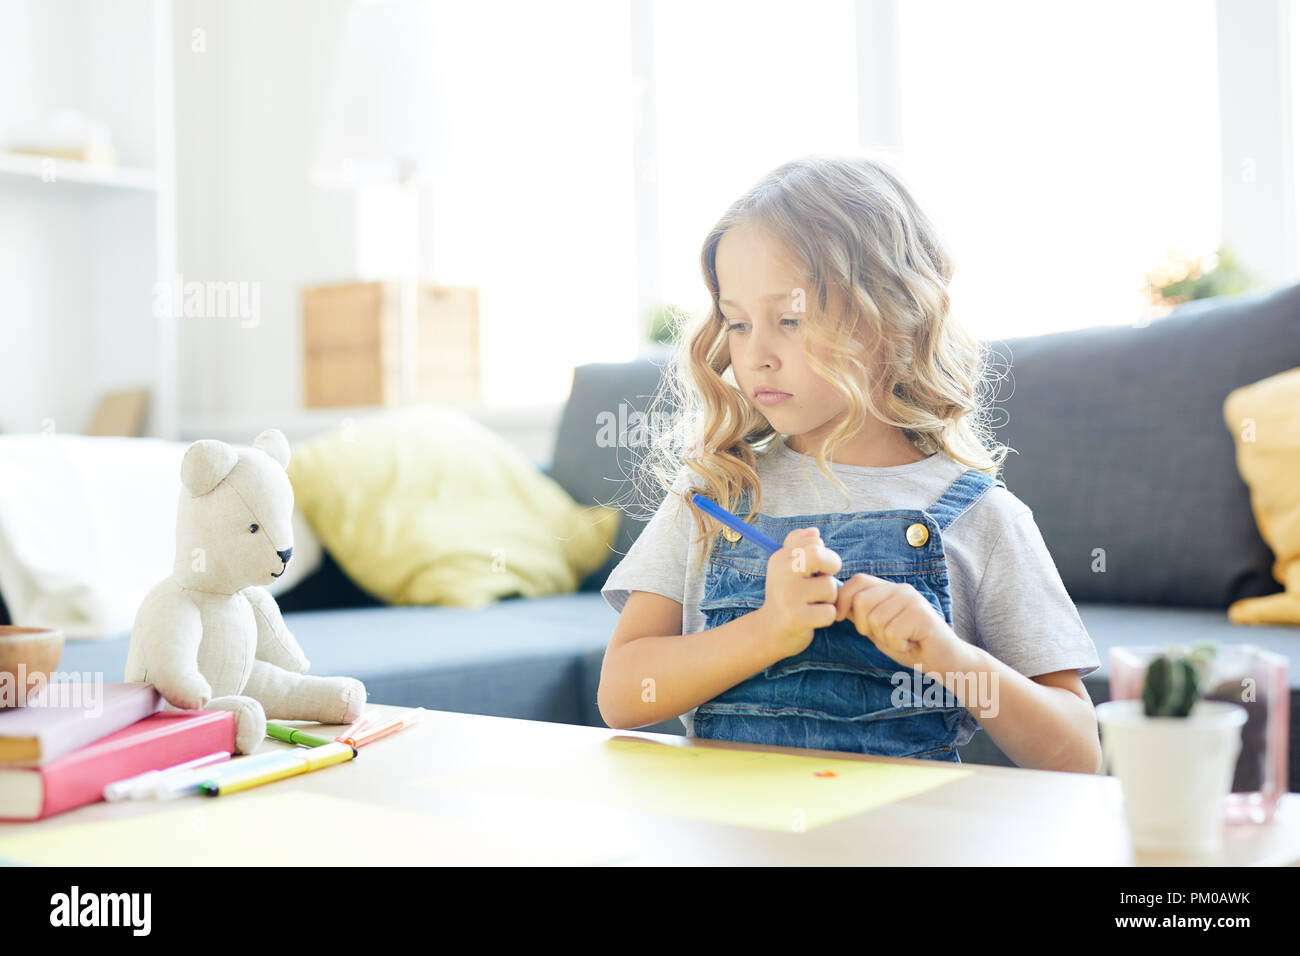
{"x":1176,"y":772}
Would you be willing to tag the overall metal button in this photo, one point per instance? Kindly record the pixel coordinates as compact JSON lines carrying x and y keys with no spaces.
{"x":917,"y":535}
{"x":732,"y":536}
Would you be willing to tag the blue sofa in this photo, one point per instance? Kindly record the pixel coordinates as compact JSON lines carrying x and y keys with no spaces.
{"x":1119,"y":444}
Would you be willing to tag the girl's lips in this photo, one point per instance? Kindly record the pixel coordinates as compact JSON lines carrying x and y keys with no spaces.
{"x":771,"y":398}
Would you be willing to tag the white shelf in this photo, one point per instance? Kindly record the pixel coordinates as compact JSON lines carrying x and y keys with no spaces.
{"x":25,"y":168}
{"x":84,"y":243}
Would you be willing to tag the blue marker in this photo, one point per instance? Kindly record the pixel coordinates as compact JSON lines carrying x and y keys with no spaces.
{"x":735,"y":524}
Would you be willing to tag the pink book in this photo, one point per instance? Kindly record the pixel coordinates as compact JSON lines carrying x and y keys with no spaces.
{"x":162,"y":740}
{"x":66,"y":715}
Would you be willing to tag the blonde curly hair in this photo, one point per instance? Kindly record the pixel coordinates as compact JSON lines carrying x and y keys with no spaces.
{"x":855,"y":227}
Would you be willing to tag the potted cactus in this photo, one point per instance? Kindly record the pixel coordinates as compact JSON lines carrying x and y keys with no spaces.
{"x":1174,"y":752}
{"x":1173,"y":681}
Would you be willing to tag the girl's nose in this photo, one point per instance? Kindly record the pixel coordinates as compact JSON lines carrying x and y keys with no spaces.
{"x":761,"y":355}
{"x":764,"y":359}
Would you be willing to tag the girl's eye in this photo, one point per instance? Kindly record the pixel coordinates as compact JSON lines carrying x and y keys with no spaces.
{"x":789,"y":321}
{"x":252,"y":529}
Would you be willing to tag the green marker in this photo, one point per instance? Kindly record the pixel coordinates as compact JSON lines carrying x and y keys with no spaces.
{"x":292,"y":735}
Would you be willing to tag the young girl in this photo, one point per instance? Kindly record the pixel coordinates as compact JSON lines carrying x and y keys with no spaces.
{"x":830,"y":400}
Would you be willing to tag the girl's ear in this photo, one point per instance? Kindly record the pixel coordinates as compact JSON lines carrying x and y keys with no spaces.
{"x":205,"y":465}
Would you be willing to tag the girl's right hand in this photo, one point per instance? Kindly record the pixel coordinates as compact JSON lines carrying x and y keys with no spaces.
{"x":800,"y":594}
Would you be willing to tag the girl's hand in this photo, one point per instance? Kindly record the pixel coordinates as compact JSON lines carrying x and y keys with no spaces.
{"x":800,"y":590}
{"x":900,"y":622}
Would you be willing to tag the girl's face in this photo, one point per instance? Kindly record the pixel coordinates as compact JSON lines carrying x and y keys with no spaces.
{"x":762,"y":296}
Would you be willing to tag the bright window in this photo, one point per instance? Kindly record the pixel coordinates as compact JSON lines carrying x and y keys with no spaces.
{"x":1063,"y":149}
{"x":741,"y":87}
{"x":534,"y":202}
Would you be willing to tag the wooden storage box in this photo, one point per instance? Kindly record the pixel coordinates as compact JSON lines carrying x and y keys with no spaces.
{"x":351,"y":345}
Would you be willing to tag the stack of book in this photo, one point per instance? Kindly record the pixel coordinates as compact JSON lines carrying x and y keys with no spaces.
{"x":60,"y":750}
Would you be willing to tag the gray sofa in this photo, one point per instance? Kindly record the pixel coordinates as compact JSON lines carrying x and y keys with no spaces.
{"x":1119,"y":444}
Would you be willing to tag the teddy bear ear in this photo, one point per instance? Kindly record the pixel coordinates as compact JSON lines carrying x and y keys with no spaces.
{"x":205,"y":464}
{"x":273,"y":442}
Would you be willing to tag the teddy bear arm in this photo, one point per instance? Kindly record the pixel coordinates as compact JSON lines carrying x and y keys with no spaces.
{"x":165,"y":650}
{"x":250,"y":720}
{"x":275,"y":644}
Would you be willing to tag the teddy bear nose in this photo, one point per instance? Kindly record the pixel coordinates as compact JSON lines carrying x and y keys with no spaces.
{"x":285,"y":555}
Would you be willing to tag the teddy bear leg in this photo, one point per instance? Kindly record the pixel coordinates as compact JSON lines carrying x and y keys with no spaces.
{"x":288,"y":696}
{"x":250,"y":720}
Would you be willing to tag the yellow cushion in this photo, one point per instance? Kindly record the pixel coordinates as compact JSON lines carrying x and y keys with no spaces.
{"x":1264,"y":419}
{"x":426,"y":506}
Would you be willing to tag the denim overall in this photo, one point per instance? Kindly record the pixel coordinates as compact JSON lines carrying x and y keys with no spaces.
{"x":836,"y":693}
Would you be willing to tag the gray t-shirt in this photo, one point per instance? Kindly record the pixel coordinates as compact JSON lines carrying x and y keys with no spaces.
{"x":1007,"y":595}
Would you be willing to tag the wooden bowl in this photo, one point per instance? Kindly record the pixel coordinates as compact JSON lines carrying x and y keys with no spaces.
{"x":25,"y":651}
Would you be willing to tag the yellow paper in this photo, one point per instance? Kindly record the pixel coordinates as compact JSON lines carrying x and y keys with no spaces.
{"x":743,"y":788}
{"x":293,"y":829}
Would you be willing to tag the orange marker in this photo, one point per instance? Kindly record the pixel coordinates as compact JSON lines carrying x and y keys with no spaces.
{"x":349,"y":736}
{"x":372,"y":733}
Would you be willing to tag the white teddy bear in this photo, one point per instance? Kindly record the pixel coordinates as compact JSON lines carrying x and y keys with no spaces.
{"x":210,"y":637}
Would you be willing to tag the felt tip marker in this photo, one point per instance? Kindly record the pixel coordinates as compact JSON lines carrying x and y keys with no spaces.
{"x":187,"y":782}
{"x":290,"y":763}
{"x":354,"y":729}
{"x":375,"y":730}
{"x":146,"y":784}
{"x":714,"y":510}
{"x":294,"y":735}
